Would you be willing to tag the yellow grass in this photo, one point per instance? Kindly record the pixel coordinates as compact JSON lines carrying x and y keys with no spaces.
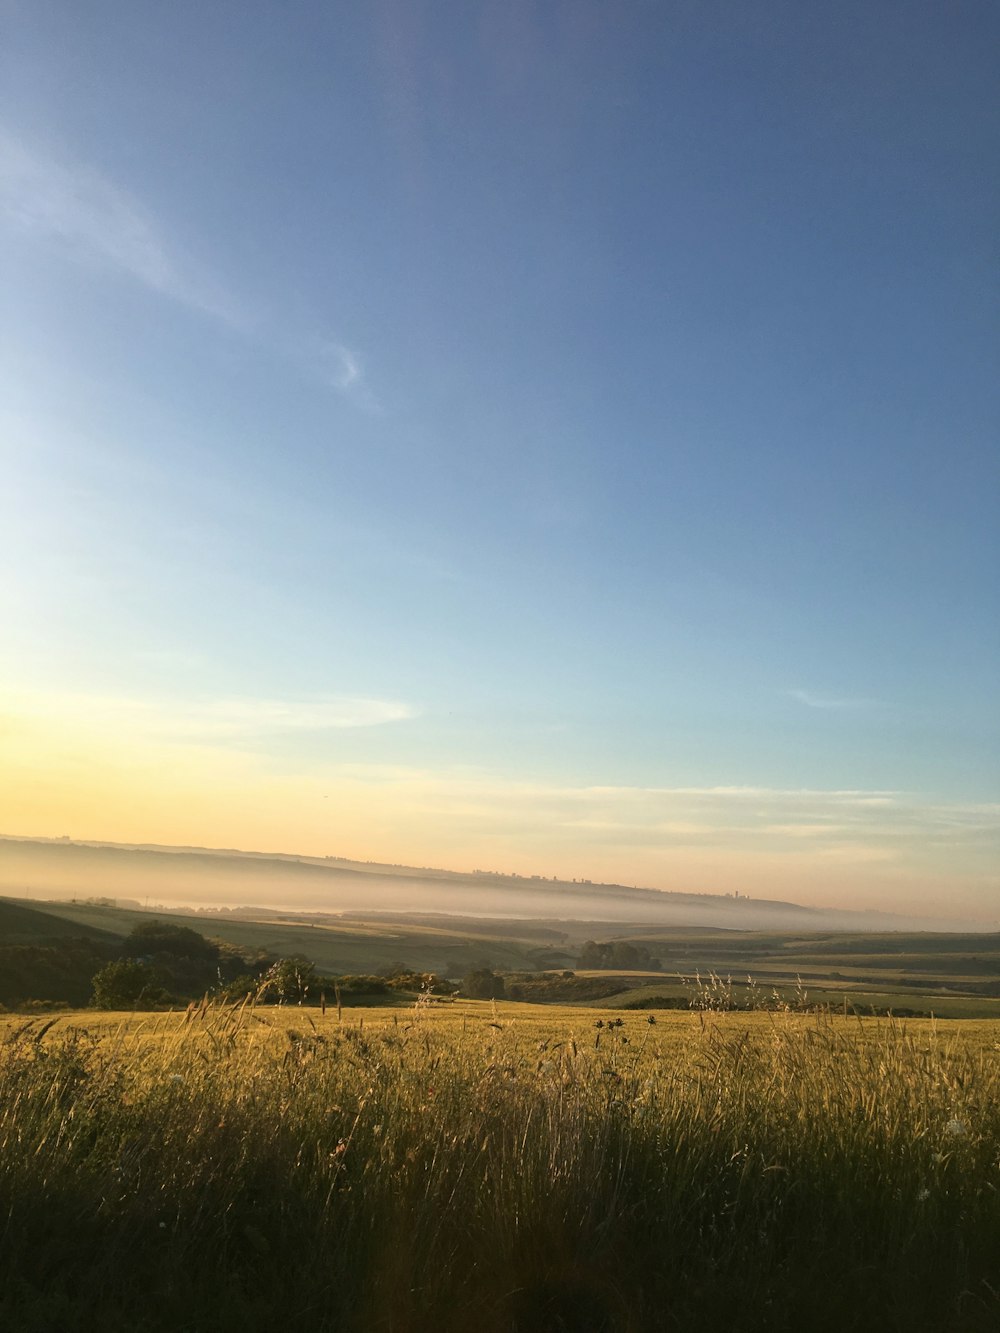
{"x":470,"y":1165}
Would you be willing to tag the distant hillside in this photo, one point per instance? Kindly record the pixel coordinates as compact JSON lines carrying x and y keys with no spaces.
{"x":203,"y":877}
{"x":27,"y":925}
{"x":43,"y":955}
{"x":52,"y":954}
{"x":452,"y":947}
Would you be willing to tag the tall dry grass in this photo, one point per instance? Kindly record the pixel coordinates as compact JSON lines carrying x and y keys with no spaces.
{"x":471,"y":1170}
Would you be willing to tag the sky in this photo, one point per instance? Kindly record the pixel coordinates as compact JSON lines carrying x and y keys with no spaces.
{"x":552,"y":438}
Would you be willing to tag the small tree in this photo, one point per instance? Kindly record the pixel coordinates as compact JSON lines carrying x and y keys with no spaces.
{"x":290,"y":980}
{"x":124,"y":984}
{"x":164,"y":937}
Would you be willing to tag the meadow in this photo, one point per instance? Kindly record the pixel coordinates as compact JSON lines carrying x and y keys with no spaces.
{"x":507,"y":1168}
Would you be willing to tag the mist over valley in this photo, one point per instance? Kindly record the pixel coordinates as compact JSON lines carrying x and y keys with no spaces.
{"x":206,"y":879}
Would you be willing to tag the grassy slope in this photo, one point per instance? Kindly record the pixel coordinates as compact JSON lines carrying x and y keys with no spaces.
{"x":357,"y":947}
{"x":21,"y":924}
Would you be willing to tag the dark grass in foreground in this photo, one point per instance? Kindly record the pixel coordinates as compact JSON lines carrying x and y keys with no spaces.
{"x":460,"y":1169}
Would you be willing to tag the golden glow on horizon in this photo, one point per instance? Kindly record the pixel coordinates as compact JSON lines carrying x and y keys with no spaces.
{"x":114,"y":773}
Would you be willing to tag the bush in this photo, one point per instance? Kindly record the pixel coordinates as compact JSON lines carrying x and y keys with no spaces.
{"x":59,"y":970}
{"x":356,"y":985}
{"x":240,"y":987}
{"x":428,"y":983}
{"x":548,"y":989}
{"x":126,"y":984}
{"x":617,"y":956}
{"x":484,"y":984}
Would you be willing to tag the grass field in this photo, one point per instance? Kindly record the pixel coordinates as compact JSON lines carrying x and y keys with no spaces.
{"x":872,"y":996}
{"x":468,"y":1166}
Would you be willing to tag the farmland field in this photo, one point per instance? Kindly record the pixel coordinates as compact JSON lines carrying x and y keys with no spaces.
{"x":500,"y":1167}
{"x":924,"y":973}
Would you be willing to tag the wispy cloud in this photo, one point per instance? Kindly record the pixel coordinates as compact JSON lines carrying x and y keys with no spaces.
{"x":782,"y":825}
{"x":213,"y":719}
{"x":98,"y":221}
{"x":814,"y":699}
{"x":342,"y":369}
{"x":345,"y":367}
{"x":238,"y":717}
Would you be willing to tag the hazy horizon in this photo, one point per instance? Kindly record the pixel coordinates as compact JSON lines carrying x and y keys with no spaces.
{"x":558,"y":440}
{"x":179,"y":878}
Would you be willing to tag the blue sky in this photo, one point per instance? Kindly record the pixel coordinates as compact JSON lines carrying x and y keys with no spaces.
{"x":519,"y":399}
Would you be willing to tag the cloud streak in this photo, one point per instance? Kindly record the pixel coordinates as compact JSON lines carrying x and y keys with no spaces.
{"x":248,"y":717}
{"x":342,"y":369}
{"x":346,"y":370}
{"x":218,"y":719}
{"x":812,"y":699}
{"x":905,"y":834}
{"x":97,"y":221}
{"x":777,"y":819}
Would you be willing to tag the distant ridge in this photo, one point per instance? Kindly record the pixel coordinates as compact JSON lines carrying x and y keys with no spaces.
{"x":221,"y":877}
{"x":483,"y":879}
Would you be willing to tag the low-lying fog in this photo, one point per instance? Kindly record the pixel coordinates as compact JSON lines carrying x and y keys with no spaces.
{"x":208,"y":879}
